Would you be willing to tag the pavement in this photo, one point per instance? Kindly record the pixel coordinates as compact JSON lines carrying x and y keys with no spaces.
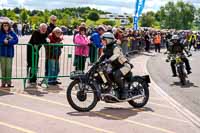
{"x":46,"y":110}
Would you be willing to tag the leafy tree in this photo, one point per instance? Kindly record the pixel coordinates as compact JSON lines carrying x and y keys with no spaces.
{"x":109,"y":22}
{"x":197,"y":19}
{"x":11,"y":15}
{"x":24,"y":16}
{"x":93,"y":16}
{"x":17,"y":10}
{"x":148,"y":19}
{"x":177,"y":16}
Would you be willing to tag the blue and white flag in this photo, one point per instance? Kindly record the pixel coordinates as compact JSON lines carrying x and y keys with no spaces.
{"x":139,"y":6}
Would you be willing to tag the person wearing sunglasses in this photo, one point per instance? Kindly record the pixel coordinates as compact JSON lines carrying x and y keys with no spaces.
{"x":7,"y":41}
{"x":52,"y":25}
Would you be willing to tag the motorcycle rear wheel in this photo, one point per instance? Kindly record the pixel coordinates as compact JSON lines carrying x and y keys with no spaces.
{"x":144,"y":86}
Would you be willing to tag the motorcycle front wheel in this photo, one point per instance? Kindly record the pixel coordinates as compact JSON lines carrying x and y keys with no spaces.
{"x":141,"y":87}
{"x":182,"y":75}
{"x":82,"y":97}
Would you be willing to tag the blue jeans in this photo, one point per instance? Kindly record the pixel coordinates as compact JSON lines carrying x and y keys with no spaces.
{"x":53,"y":70}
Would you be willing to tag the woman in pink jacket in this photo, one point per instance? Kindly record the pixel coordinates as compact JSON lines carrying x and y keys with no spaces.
{"x":81,"y":50}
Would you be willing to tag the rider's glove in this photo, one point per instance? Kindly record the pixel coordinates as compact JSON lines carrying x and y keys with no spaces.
{"x":106,"y":61}
{"x":167,"y":60}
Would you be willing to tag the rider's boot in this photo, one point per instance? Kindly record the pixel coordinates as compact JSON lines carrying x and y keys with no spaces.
{"x":124,"y":93}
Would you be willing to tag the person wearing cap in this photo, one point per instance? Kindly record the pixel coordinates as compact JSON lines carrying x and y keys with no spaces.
{"x":96,"y":44}
{"x":37,"y":39}
{"x":81,"y":50}
{"x":110,"y":29}
{"x":53,"y":54}
{"x":7,"y":41}
{"x":121,"y":67}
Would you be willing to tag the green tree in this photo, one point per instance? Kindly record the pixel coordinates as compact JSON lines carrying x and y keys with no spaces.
{"x":24,"y":16}
{"x":17,"y":10}
{"x":93,"y":16}
{"x":148,"y":19}
{"x":109,"y":22}
{"x":11,"y":15}
{"x":196,"y":23}
{"x":176,"y":16}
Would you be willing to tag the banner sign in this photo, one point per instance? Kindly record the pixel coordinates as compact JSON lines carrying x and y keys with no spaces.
{"x":139,"y":6}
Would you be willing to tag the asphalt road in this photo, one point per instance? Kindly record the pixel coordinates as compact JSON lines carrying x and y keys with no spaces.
{"x":189,"y":95}
{"x":46,"y":110}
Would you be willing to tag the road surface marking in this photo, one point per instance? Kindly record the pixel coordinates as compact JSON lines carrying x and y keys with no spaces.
{"x":195,"y":120}
{"x":57,"y":103}
{"x":16,"y":127}
{"x":114,"y":105}
{"x":134,"y":122}
{"x":164,"y":106}
{"x":154,"y":114}
{"x":55,"y":117}
{"x":150,"y":113}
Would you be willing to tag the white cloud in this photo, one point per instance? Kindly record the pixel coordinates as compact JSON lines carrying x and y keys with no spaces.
{"x":119,"y":6}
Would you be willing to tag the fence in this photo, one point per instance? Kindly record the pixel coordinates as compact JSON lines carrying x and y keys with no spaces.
{"x":14,"y":67}
{"x":40,"y":56}
{"x":48,"y":61}
{"x":65,"y":61}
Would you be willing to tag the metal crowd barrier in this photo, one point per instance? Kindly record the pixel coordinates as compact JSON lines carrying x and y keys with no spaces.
{"x":66,"y":61}
{"x":18,"y":69}
{"x":41,"y":58}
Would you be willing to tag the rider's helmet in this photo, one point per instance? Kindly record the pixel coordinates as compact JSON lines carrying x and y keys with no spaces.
{"x":109,"y":37}
{"x":175,"y":39}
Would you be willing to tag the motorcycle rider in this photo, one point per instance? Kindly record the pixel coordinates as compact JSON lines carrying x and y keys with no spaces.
{"x":121,"y":68}
{"x":178,"y":48}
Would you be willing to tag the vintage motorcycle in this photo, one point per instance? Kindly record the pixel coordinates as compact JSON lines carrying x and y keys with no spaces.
{"x":87,"y":89}
{"x":180,"y":67}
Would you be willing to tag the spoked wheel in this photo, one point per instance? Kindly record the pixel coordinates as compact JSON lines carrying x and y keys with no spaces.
{"x":139,"y":87}
{"x":82,"y":97}
{"x":182,"y":76}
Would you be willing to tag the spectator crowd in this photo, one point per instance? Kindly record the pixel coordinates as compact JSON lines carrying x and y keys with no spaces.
{"x":88,"y":44}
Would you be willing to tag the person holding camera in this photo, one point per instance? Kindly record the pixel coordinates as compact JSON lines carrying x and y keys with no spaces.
{"x":7,"y":41}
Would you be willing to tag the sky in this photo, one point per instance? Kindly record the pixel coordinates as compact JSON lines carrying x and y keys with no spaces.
{"x":114,"y":6}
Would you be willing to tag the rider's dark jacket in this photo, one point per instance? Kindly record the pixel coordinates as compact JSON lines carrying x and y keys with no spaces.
{"x":177,"y":48}
{"x":114,"y":54}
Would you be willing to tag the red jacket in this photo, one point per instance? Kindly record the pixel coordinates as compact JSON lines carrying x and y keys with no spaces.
{"x":53,"y":52}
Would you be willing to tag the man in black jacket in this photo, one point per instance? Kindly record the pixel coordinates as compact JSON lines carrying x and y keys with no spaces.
{"x":38,"y":37}
{"x":178,"y":48}
{"x":52,"y":24}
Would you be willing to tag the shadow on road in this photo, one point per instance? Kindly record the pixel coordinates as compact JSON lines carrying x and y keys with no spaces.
{"x":111,"y":113}
{"x":188,"y":85}
{"x":5,"y":91}
{"x":54,"y":89}
{"x":35,"y":91}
